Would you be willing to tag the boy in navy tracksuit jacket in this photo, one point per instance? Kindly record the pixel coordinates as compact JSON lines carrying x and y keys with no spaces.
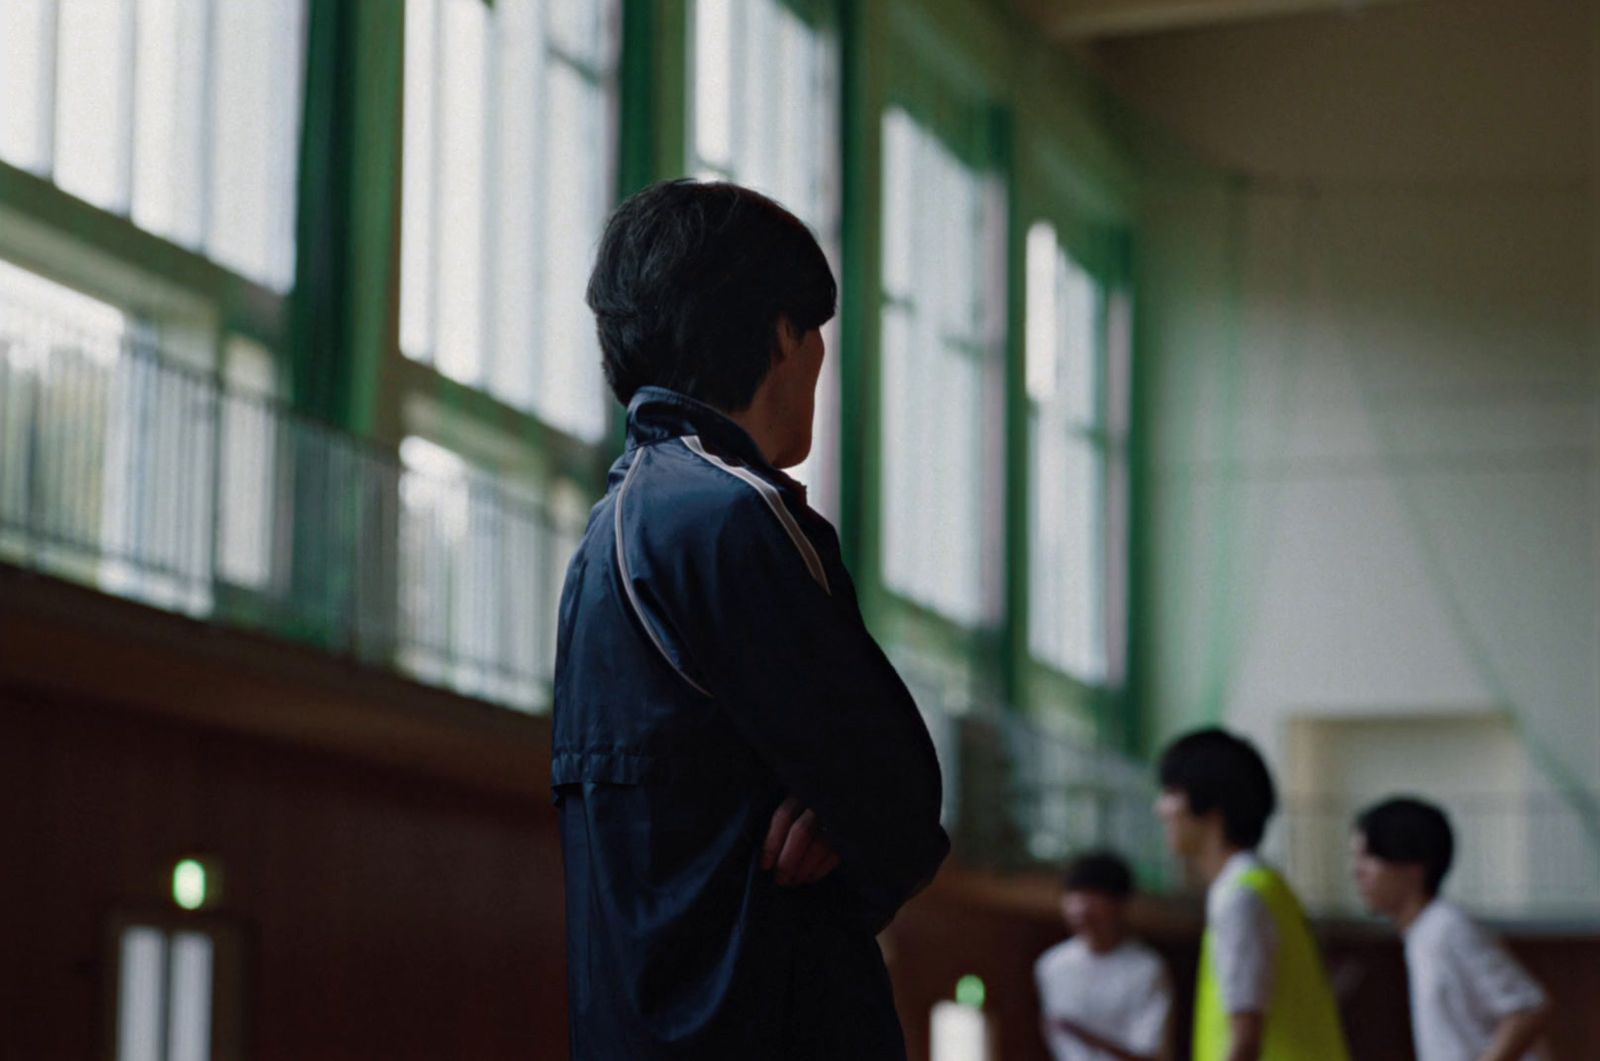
{"x":748,"y":793}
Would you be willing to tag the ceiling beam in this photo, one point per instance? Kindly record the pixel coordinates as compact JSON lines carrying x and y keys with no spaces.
{"x":1077,"y":20}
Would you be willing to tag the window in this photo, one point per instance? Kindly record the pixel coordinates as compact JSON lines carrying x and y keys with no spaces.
{"x":481,"y":570}
{"x":105,"y":452}
{"x":247,"y":545}
{"x":1077,"y":379}
{"x":943,"y":282}
{"x":765,"y":91}
{"x":509,"y":132}
{"x":183,"y":115}
{"x":179,"y":988}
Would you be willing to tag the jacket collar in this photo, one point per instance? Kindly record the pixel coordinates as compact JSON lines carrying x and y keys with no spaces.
{"x":657,"y":414}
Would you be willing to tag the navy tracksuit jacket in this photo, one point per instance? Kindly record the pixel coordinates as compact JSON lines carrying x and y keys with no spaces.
{"x":711,"y":661}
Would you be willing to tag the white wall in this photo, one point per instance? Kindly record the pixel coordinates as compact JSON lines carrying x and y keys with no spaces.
{"x":1373,"y":369}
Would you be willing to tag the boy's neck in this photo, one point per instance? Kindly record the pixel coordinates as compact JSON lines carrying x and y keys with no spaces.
{"x":1410,"y":910}
{"x":1106,"y":942}
{"x":1214,"y":858}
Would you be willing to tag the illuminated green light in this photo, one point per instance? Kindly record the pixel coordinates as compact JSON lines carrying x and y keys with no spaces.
{"x":189,"y":884}
{"x":970,"y":991}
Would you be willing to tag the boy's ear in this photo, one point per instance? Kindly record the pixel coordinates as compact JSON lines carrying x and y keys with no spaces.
{"x":789,"y":337}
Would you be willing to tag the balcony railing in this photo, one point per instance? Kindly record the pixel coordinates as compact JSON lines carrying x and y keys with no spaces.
{"x":124,"y":469}
{"x":1019,"y":795}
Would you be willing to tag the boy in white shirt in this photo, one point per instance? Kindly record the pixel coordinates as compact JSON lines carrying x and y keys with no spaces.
{"x":1103,"y":996}
{"x":1469,"y":1000}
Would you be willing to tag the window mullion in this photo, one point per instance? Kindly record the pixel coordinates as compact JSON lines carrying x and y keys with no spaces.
{"x":49,"y":90}
{"x":207,"y":118}
{"x":738,"y":20}
{"x":128,"y":106}
{"x":488,"y":203}
{"x":436,"y":78}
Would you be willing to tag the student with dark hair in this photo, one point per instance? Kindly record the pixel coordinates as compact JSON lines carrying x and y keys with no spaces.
{"x":1103,"y":995}
{"x":747,"y":791}
{"x":1262,"y":993}
{"x":1470,"y":1001}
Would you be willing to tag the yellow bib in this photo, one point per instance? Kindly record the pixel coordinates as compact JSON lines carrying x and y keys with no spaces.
{"x":1302,"y":1019}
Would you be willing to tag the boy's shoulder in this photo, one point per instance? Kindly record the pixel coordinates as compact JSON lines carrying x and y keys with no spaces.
{"x":1068,"y":953}
{"x":690,"y":490}
{"x":1444,"y":928}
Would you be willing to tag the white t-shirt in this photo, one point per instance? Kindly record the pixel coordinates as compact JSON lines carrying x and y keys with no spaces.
{"x":1244,"y":939}
{"x":1463,"y":984}
{"x":1122,"y":996}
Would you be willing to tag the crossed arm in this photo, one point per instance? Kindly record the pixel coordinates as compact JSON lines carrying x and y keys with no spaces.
{"x":1096,"y":1042}
{"x":1517,"y":1033}
{"x":803,"y":681}
{"x":1245,"y":1041}
{"x":794,"y":848}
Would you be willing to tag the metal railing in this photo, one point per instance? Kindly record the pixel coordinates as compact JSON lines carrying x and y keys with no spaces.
{"x":1019,"y":795}
{"x":148,"y":479}
{"x":132,"y":473}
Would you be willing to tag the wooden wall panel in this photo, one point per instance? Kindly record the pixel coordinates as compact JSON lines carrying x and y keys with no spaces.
{"x":389,"y":916}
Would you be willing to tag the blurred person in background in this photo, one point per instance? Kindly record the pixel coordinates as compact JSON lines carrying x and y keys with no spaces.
{"x":1103,"y":995}
{"x":1470,"y":1001}
{"x":1262,"y":992}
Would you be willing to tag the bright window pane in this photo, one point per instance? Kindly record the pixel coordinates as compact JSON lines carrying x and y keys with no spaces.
{"x":899,"y":175}
{"x":256,"y":75}
{"x":58,"y":355}
{"x":1119,"y":364}
{"x":1071,"y":486}
{"x":25,"y":81}
{"x":517,"y":179}
{"x":139,"y":995}
{"x":1079,"y":305}
{"x":713,"y":82}
{"x":170,"y":94}
{"x":571,"y":394}
{"x":579,"y":28}
{"x":417,"y":217}
{"x":508,"y":173}
{"x":249,"y":465}
{"x":1043,"y":328}
{"x":189,"y":1017}
{"x":94,"y":101}
{"x":477,"y":587}
{"x":106,"y":449}
{"x":938,"y":352}
{"x":1119,"y":413}
{"x":461,"y":189}
{"x":1065,"y":605}
{"x":182,"y":114}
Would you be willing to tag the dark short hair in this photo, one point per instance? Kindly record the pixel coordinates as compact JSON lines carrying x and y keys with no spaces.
{"x":1103,"y":872}
{"x":1216,"y":770}
{"x":1410,"y":832}
{"x":688,"y":286}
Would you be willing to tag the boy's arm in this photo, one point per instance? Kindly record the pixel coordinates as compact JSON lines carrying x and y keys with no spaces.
{"x":791,"y":663}
{"x":1502,"y":987}
{"x":1098,"y":1042}
{"x":1245,"y":954}
{"x":1516,"y":1034}
{"x":1245,"y":1032}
